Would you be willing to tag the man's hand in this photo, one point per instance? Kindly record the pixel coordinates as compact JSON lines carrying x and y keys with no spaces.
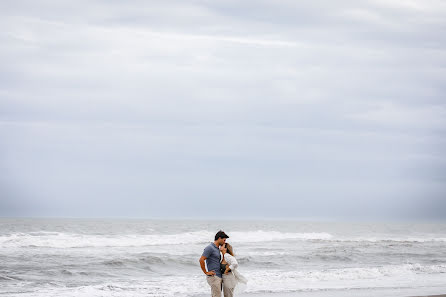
{"x":210,"y":273}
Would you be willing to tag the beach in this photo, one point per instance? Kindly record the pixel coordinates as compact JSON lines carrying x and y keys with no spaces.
{"x":159,"y":258}
{"x":346,"y":293}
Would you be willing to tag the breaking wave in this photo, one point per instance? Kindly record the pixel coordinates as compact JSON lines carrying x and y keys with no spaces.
{"x":70,"y":240}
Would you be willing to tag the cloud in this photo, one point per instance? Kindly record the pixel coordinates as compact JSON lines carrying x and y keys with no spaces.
{"x":389,"y":113}
{"x":149,"y":101}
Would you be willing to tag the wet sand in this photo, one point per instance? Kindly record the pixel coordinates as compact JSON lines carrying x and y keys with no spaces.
{"x":443,"y":295}
{"x":314,"y":294}
{"x":320,"y":294}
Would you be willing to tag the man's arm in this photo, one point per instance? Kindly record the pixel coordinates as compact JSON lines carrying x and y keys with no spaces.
{"x":203,"y":267}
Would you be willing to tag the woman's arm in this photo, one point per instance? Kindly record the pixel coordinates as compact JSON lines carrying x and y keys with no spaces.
{"x":232,"y":262}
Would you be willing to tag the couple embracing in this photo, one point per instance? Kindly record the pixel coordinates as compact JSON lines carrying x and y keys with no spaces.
{"x":221,"y":271}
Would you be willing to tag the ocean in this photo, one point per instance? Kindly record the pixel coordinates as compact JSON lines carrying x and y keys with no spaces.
{"x":119,"y":257}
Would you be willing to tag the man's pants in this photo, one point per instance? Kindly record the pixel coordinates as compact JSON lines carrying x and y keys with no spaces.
{"x":215,"y":283}
{"x":229,"y":283}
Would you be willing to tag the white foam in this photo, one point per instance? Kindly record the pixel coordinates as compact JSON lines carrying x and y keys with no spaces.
{"x":155,"y":287}
{"x":274,"y":281}
{"x":393,"y":239}
{"x":262,"y":236}
{"x":407,"y":275}
{"x":72,"y":240}
{"x":69,"y":240}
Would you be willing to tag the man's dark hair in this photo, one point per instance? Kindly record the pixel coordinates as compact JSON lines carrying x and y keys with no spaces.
{"x":221,"y":234}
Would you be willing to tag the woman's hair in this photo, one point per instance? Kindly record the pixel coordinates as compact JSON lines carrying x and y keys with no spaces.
{"x":229,"y":249}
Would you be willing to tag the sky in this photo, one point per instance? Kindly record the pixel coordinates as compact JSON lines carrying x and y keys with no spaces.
{"x":223,"y":109}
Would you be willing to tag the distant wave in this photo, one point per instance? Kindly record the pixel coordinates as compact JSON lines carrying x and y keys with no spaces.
{"x":394,"y":239}
{"x":261,"y":236}
{"x":8,"y":278}
{"x":71,"y":240}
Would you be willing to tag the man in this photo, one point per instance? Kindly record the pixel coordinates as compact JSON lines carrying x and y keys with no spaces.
{"x":211,"y":255}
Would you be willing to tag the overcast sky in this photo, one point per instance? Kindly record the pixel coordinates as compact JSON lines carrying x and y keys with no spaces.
{"x":225,"y":109}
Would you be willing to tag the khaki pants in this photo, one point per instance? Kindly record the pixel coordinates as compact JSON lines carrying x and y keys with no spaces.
{"x":215,"y":283}
{"x":229,"y":283}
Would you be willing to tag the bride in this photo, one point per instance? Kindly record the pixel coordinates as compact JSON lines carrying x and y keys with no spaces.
{"x":231,"y":276}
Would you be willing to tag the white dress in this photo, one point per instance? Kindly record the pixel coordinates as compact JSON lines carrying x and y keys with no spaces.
{"x":233,"y":265}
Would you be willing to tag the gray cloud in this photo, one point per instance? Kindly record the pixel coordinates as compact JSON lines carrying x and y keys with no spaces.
{"x":152,"y":109}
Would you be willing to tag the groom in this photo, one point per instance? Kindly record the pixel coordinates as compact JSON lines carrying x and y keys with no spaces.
{"x":211,"y":255}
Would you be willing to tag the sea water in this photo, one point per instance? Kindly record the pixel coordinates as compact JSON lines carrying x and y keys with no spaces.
{"x":117,"y":257}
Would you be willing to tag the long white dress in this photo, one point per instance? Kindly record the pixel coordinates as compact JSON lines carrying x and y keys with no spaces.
{"x":241,"y":281}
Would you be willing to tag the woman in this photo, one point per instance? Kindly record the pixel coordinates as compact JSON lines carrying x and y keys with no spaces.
{"x":231,"y":276}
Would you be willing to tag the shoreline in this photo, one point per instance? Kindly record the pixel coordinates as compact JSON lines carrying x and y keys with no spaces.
{"x":343,"y":293}
{"x":442,"y":295}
